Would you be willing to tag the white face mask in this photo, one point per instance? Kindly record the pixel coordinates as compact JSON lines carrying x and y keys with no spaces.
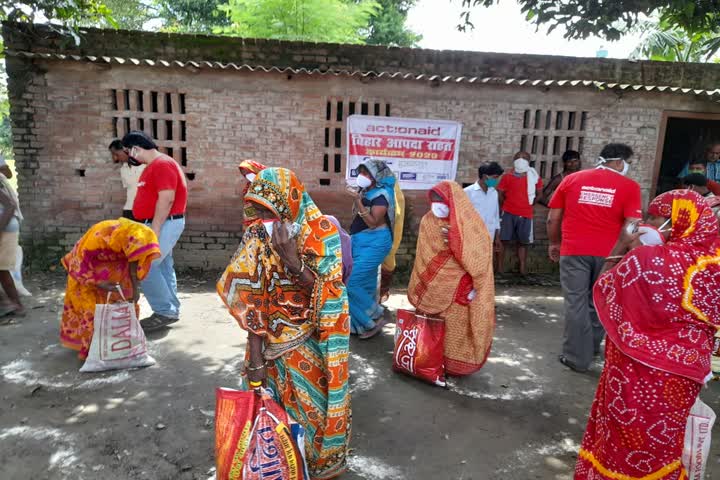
{"x":268,"y":224}
{"x":363,"y":181}
{"x":250,"y":177}
{"x":440,"y":210}
{"x":626,"y":168}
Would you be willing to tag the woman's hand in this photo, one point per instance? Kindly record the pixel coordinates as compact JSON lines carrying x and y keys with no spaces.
{"x":286,"y":247}
{"x":353,"y":192}
{"x":445,"y":231}
{"x":255,"y":366}
{"x":255,"y":374}
{"x":135,"y":284}
{"x":108,"y":286}
{"x":136,"y":294}
{"x":626,"y":240}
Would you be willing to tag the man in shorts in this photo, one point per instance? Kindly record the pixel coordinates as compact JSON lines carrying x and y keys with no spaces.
{"x":519,"y":189}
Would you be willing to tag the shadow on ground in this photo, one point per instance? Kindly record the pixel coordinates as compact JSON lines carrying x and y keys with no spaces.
{"x":521,"y":417}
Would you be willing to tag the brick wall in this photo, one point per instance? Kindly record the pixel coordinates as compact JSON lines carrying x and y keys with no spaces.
{"x":62,"y":114}
{"x":151,"y":45}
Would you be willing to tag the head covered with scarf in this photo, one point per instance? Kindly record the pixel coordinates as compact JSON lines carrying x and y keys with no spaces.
{"x":280,"y":191}
{"x":249,"y":167}
{"x":445,"y":273}
{"x":661,"y":304}
{"x":384,"y":186}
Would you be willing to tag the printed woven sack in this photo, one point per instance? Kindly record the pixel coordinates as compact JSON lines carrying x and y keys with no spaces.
{"x":118,"y":339}
{"x":419,"y":347}
{"x":255,"y":438}
{"x":17,"y":274}
{"x":697,"y":440}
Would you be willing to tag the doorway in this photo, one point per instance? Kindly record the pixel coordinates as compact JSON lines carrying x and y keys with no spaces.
{"x":684,"y":136}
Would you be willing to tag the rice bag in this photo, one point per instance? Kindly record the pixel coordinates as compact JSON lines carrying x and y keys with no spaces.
{"x":255,"y":439}
{"x":419,"y":347}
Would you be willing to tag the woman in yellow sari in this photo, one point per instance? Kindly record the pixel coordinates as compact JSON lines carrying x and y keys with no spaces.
{"x":452,"y":278}
{"x":111,"y":253}
{"x":284,"y":286}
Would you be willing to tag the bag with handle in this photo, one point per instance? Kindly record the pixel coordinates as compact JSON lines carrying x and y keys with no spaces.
{"x":118,"y":339}
{"x":420,"y":347}
{"x":697,"y":439}
{"x":255,"y":438}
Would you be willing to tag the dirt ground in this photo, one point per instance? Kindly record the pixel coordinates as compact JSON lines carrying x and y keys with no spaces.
{"x":521,"y":417}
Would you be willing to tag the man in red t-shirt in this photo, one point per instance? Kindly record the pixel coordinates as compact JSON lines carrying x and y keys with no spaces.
{"x":518,"y":191}
{"x":160,"y":203}
{"x":588,"y":211}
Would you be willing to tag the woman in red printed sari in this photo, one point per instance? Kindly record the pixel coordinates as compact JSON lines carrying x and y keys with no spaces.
{"x":660,"y":306}
{"x":111,"y":253}
{"x":452,"y":278}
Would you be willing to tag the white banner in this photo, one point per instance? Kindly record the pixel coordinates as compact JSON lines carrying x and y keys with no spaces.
{"x":420,"y":152}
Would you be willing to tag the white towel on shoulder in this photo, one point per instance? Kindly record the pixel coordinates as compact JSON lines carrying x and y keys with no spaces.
{"x":523,"y":166}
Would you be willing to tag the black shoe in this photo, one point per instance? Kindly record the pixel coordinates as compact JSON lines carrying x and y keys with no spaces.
{"x":562,"y":359}
{"x":156,"y":322}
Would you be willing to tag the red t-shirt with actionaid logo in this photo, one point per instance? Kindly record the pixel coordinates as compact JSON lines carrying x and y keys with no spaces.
{"x":596,"y":204}
{"x":515,"y":190}
{"x":162,"y":174}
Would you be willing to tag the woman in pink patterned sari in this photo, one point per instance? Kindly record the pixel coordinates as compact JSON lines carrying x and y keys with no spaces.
{"x":660,"y":306}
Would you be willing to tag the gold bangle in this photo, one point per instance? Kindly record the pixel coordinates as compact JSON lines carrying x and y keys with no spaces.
{"x":255,"y":384}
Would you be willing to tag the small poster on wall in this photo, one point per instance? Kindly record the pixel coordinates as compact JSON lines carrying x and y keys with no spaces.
{"x":421,"y":152}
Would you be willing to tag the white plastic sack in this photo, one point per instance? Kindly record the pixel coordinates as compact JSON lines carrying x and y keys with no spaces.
{"x":118,"y":339}
{"x":17,"y":274}
{"x":697,"y":439}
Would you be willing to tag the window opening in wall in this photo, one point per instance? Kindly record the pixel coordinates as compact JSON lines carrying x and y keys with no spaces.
{"x":547,"y":134}
{"x":159,"y":114}
{"x":336,"y":112}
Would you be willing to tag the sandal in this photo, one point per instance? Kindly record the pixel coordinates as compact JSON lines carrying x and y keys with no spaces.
{"x":377,"y":328}
{"x":563,"y":359}
{"x":156,"y":322}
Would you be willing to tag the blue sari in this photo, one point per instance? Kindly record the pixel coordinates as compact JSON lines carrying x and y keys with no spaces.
{"x":369,"y":249}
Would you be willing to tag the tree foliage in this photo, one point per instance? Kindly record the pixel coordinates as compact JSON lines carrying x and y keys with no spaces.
{"x":335,"y":21}
{"x":191,"y":16}
{"x":608,"y":19}
{"x":387,"y":25}
{"x":662,"y":41}
{"x":69,"y":13}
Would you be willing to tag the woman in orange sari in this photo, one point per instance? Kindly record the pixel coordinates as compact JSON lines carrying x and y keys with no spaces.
{"x":111,"y":253}
{"x":660,"y":306}
{"x":284,"y":286}
{"x":452,"y":278}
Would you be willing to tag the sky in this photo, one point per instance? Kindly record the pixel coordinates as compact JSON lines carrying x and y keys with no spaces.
{"x":501,"y":28}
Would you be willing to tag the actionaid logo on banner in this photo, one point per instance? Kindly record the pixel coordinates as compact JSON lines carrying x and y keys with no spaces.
{"x":399,"y":129}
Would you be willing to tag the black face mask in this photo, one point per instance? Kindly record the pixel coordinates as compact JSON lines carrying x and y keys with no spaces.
{"x":132,"y":162}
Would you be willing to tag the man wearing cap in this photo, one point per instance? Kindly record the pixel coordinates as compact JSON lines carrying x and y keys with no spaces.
{"x":587,"y":211}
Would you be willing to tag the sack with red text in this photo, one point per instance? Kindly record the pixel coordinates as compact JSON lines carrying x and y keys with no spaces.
{"x":118,"y":339}
{"x":697,"y":440}
{"x":255,"y":439}
{"x":419,"y":347}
